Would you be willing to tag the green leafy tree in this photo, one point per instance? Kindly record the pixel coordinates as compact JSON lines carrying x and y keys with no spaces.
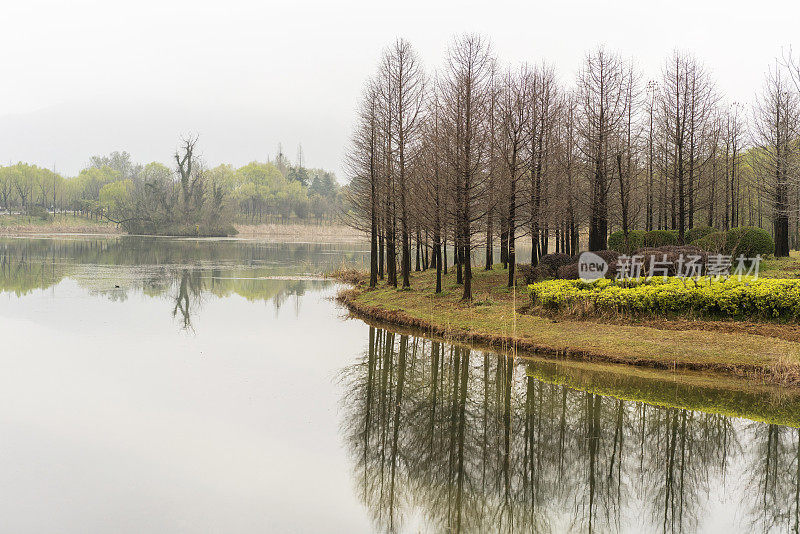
{"x":115,"y":198}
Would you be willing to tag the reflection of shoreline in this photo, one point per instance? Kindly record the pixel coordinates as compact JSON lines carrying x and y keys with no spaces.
{"x":757,"y":401}
{"x":185,"y":271}
{"x":29,"y":263}
{"x":503,"y":321}
{"x":472,"y":442}
{"x":159,"y":281}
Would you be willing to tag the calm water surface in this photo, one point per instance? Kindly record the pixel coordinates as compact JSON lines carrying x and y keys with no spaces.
{"x":166,"y":385}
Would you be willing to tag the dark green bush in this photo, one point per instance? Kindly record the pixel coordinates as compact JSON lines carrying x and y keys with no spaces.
{"x":39,"y":212}
{"x":744,"y":240}
{"x":698,"y":232}
{"x":616,"y":241}
{"x":748,"y":241}
{"x":660,"y":238}
{"x":714,"y":242}
{"x":607,"y":255}
{"x":673,"y":258}
{"x":568,"y":272}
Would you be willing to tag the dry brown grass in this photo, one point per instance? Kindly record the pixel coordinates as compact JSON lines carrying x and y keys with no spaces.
{"x":11,"y":225}
{"x":348,"y":275}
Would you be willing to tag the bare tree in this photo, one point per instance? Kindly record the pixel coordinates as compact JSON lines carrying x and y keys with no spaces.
{"x":775,"y":124}
{"x":624,"y":147}
{"x":402,"y":82}
{"x":191,"y":184}
{"x":511,"y":141}
{"x":443,"y":167}
{"x":601,"y":89}
{"x":568,"y":159}
{"x":544,"y":103}
{"x":733,"y":143}
{"x":437,"y":185}
{"x":687,"y":104}
{"x":363,"y":166}
{"x":464,"y":94}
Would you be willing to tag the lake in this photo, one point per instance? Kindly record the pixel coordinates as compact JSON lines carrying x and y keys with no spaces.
{"x":179,"y":385}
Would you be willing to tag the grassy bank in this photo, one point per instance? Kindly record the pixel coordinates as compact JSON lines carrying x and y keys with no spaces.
{"x":58,"y":224}
{"x":501,"y":319}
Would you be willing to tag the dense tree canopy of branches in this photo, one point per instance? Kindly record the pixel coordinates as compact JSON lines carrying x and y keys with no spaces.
{"x":497,"y":153}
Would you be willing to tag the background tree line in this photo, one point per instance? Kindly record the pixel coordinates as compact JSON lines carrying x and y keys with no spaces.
{"x":478,"y":154}
{"x":117,"y":188}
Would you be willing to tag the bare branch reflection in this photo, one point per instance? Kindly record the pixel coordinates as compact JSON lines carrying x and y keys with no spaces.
{"x":443,"y":438}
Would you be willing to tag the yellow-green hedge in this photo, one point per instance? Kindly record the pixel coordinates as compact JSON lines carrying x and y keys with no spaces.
{"x":745,"y":298}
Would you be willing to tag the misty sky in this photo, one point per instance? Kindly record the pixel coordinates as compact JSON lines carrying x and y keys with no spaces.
{"x":87,"y":77}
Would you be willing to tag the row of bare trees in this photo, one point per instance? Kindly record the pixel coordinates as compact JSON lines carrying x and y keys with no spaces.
{"x":478,"y":155}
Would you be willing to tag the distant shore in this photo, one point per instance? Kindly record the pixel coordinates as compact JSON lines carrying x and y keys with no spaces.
{"x":18,"y":225}
{"x":21,"y":225}
{"x":311,"y":233}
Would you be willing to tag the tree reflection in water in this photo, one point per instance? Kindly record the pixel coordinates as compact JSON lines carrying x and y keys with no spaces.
{"x":190,"y":285}
{"x":774,"y":468}
{"x":462,"y":441}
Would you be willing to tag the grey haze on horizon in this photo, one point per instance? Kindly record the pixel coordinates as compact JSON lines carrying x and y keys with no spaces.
{"x":65,"y":136}
{"x":88,"y":77}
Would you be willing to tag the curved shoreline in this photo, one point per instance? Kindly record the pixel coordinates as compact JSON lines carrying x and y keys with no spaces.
{"x":710,"y":392}
{"x":777,"y":365}
{"x":524,"y":346}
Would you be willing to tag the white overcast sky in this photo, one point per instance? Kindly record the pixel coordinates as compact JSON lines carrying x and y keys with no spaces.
{"x":85,"y":77}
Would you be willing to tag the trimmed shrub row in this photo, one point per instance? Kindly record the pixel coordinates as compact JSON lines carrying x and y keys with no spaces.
{"x":616,"y":241}
{"x":693,"y":234}
{"x":746,"y":298}
{"x":744,"y":240}
{"x":568,"y":270}
{"x":639,"y":239}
